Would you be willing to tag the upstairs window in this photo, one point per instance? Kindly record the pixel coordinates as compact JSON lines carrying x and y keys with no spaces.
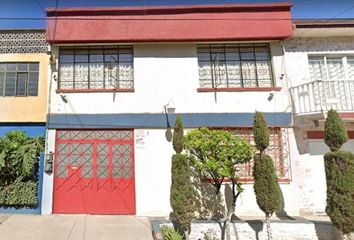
{"x":331,"y":67}
{"x":19,"y":79}
{"x":235,"y":66}
{"x":96,"y":68}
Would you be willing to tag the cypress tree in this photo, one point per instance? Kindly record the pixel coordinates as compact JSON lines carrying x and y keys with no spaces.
{"x":182,"y":190}
{"x":177,"y":141}
{"x":266,"y":186}
{"x":335,"y":132}
{"x":339,"y":166}
{"x":260,"y":132}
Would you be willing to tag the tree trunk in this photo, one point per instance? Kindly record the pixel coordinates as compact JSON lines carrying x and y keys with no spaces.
{"x":230,"y":212}
{"x":269,"y":230}
{"x":228,"y":220}
{"x":186,"y":235}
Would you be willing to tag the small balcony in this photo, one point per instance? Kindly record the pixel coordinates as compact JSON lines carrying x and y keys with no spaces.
{"x":314,"y":98}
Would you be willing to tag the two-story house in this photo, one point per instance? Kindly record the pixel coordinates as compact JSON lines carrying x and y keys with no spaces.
{"x":121,"y":76}
{"x":24,"y":67}
{"x":319,"y":59}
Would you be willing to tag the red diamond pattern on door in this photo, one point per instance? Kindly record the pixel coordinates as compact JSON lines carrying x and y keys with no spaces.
{"x":94,"y":172}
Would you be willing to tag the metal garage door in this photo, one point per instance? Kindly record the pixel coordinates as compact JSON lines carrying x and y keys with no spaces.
{"x":94,"y":172}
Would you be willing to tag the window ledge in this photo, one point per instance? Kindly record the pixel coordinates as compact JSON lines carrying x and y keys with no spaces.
{"x":254,"y":89}
{"x":93,"y":90}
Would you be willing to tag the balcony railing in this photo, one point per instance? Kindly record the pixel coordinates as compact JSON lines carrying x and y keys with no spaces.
{"x":322,"y":95}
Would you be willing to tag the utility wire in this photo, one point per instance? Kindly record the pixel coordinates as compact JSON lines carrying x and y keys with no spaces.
{"x":40,"y":6}
{"x":344,"y":11}
{"x":334,"y":17}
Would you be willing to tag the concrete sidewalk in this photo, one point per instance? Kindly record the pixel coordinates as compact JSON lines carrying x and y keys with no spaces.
{"x":75,"y":227}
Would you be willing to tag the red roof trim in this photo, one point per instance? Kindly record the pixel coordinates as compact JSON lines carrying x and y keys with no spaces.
{"x":200,"y":23}
{"x":151,"y":10}
{"x":131,"y":41}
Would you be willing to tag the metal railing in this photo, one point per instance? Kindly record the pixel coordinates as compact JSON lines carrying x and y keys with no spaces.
{"x":322,"y":95}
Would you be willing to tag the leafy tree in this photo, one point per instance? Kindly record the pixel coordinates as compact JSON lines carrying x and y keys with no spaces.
{"x":215,"y":154}
{"x":18,"y":168}
{"x":335,"y":132}
{"x":266,"y":186}
{"x":182,"y":190}
{"x":339,"y":166}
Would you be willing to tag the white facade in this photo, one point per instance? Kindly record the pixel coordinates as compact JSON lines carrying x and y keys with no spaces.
{"x":168,"y":72}
{"x":164,"y":72}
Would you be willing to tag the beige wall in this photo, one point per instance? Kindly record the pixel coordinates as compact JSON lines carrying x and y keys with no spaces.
{"x":26,"y":109}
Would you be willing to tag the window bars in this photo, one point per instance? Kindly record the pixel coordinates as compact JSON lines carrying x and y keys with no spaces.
{"x":96,"y":68}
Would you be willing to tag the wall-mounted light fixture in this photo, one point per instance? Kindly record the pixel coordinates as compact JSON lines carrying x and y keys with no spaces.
{"x":170,"y":107}
{"x":271,"y":95}
{"x":63,"y":97}
{"x":48,"y":164}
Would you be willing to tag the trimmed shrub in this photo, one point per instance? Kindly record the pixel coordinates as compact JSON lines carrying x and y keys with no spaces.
{"x":335,"y":132}
{"x":178,"y":135}
{"x":266,"y":186}
{"x":340,"y":189}
{"x":260,"y":132}
{"x":19,"y":194}
{"x":182,"y":191}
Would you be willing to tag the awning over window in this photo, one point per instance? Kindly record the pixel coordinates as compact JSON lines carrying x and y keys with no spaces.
{"x":170,"y":24}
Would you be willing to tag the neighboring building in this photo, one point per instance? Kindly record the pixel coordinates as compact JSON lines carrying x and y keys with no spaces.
{"x":319,"y":59}
{"x":120,"y":71}
{"x":24,"y":68}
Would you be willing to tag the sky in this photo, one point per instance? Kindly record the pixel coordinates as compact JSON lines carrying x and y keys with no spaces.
{"x":301,"y":9}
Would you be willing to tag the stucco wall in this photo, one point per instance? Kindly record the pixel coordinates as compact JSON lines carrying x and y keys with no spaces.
{"x":153,"y":154}
{"x":309,"y":153}
{"x":27,"y":109}
{"x":164,"y":72}
{"x":298,"y":49}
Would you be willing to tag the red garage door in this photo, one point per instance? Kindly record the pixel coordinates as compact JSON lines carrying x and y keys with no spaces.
{"x":94,"y":172}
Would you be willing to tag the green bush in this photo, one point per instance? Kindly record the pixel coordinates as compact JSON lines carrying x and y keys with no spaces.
{"x":182,"y":191}
{"x":19,"y":194}
{"x":340,"y":189}
{"x":266,"y":186}
{"x":178,"y":135}
{"x":335,"y":132}
{"x":19,"y":162}
{"x":169,"y":233}
{"x":260,"y":132}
